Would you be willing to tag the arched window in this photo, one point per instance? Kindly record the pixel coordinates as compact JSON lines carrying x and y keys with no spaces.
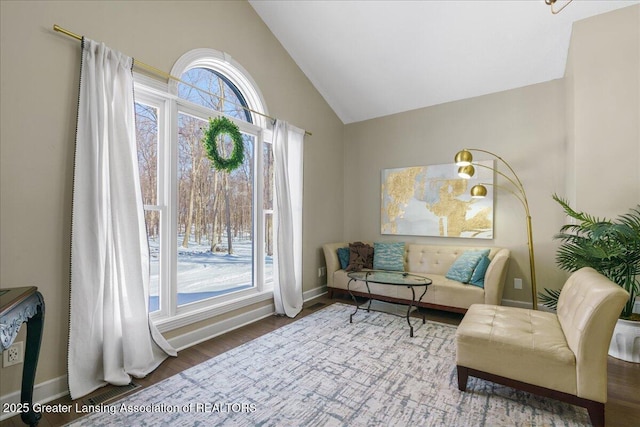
{"x":216,"y":74}
{"x":215,"y":91}
{"x":210,"y":230}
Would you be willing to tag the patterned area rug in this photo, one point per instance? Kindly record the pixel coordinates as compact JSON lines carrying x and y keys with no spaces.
{"x":323,"y":371}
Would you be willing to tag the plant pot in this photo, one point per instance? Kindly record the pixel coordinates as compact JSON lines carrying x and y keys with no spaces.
{"x":625,"y":341}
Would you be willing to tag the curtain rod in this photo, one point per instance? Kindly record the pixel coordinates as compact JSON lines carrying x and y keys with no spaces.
{"x":167,"y":76}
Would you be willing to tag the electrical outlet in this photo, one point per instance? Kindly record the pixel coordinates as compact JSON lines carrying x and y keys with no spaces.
{"x":13,"y":355}
{"x":517,"y":283}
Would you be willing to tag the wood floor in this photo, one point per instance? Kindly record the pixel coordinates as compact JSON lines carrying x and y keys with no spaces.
{"x":622,"y":408}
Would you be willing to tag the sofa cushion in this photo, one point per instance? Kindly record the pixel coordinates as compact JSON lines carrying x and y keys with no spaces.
{"x":477,"y":278}
{"x":388,"y":256}
{"x":463,"y":267}
{"x":432,"y":261}
{"x":343,"y":256}
{"x":360,"y":256}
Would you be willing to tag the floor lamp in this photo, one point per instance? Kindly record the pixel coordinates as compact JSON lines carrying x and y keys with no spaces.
{"x":466,"y":169}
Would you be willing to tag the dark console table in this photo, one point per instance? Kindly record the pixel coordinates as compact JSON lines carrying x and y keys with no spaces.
{"x":17,"y":306}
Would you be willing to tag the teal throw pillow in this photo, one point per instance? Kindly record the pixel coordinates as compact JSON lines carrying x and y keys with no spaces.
{"x":477,"y":279}
{"x":388,"y":256}
{"x":343,"y":256}
{"x":462,"y":268}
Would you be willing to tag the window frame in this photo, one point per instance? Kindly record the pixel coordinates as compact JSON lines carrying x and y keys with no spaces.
{"x":164,"y":98}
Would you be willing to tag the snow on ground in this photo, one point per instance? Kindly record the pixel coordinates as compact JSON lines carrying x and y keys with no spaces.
{"x":202,"y":273}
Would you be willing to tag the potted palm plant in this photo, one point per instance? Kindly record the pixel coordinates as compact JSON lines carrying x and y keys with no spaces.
{"x":613,"y":249}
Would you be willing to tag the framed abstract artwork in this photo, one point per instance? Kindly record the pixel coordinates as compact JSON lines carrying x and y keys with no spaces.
{"x":434,"y":201}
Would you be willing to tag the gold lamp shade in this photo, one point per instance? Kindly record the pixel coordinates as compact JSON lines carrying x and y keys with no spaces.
{"x":478,"y":191}
{"x":463,"y":158}
{"x":466,"y":172}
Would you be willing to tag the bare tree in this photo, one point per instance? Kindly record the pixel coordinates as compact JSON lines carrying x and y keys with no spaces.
{"x":147,"y":147}
{"x":268,"y":196}
{"x":214,"y":203}
{"x":190,"y":136}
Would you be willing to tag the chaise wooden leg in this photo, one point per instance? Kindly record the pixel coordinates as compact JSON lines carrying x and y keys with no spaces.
{"x":463,"y":375}
{"x":330,"y":291}
{"x":596,"y":413}
{"x":595,"y":409}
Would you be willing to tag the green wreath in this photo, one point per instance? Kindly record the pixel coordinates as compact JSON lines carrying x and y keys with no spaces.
{"x":221,"y":126}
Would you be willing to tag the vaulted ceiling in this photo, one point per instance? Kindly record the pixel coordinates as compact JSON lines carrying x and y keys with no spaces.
{"x":374,"y":58}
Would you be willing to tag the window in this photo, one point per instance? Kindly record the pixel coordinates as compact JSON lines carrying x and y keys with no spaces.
{"x":147,"y":141}
{"x":210,"y":231}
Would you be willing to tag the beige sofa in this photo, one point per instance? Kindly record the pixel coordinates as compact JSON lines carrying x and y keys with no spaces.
{"x":563,"y":355}
{"x":432,"y":261}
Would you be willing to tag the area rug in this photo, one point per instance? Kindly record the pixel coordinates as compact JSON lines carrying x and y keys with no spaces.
{"x":323,"y":371}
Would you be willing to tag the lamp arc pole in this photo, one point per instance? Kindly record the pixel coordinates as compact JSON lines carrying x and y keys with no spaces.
{"x":464,"y":160}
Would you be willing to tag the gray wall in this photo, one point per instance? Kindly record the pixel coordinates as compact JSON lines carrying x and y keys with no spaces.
{"x":556,"y":135}
{"x":520,"y":125}
{"x":40,"y":70}
{"x":578,"y":137}
{"x":603,"y":93}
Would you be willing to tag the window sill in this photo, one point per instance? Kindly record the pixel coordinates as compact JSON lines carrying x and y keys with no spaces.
{"x":165,"y":324}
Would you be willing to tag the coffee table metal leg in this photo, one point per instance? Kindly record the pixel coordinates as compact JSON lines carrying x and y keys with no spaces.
{"x":424,"y":320}
{"x":355,"y":301}
{"x":413,"y":300}
{"x":366,"y":282}
{"x":413,"y":303}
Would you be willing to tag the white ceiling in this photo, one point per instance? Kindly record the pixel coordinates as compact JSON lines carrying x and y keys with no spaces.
{"x":374,"y":58}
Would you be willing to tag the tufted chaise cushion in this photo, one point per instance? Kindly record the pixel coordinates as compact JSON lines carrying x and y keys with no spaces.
{"x":526,"y":345}
{"x":566,"y":352}
{"x":587,"y":311}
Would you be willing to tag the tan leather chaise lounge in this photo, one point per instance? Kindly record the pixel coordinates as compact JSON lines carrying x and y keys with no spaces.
{"x":562,"y":356}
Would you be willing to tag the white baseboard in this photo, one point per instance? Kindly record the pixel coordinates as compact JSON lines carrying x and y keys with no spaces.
{"x":314,"y":293}
{"x":56,"y":388}
{"x":515,"y":303}
{"x":53,"y":389}
{"x":190,"y":339}
{"x":524,"y":304}
{"x":211,"y":331}
{"x":43,"y":392}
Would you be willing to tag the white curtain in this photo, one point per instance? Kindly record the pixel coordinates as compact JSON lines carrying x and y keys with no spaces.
{"x":288,"y":153}
{"x":110,"y":337}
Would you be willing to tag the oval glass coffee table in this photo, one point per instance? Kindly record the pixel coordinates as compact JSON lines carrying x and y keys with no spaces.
{"x":391,"y":278}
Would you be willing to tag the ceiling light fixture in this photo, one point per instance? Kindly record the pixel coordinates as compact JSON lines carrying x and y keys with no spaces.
{"x":553,"y":2}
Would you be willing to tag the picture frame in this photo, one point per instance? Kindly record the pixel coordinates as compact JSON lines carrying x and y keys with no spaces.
{"x":433,"y":201}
